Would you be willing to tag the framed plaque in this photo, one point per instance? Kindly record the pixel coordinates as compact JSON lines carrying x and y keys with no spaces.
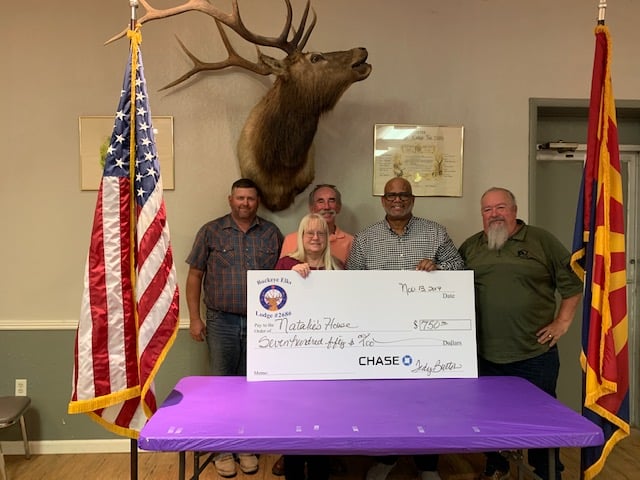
{"x":428,"y":156}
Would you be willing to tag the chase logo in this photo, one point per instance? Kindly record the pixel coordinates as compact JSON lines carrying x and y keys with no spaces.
{"x":377,"y":361}
{"x":273,"y":297}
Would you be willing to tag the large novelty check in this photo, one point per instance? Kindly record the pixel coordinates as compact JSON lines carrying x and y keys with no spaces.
{"x":360,"y":324}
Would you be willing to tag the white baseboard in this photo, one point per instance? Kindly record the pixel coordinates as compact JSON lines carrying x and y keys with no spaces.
{"x":120,"y":445}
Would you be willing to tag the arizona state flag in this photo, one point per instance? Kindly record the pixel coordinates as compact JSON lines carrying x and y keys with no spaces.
{"x":599,"y":258}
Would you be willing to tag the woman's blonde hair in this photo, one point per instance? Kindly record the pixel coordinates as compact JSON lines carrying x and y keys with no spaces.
{"x":298,"y":254}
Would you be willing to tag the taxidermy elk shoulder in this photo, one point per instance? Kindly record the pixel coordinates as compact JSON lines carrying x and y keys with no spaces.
{"x":275,"y":145}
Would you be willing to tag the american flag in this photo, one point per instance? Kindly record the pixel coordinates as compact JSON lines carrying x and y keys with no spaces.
{"x":129,"y":313}
{"x":599,"y":258}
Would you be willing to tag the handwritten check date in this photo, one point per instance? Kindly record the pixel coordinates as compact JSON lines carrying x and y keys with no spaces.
{"x":360,"y":324}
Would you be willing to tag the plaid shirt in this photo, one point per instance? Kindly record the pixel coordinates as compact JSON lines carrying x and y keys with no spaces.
{"x":378,"y":247}
{"x":225,"y":253}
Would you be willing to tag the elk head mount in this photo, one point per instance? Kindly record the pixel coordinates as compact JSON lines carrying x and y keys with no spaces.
{"x":275,"y":145}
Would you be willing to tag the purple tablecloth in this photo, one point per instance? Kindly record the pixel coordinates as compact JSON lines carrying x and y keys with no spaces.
{"x":363,"y":417}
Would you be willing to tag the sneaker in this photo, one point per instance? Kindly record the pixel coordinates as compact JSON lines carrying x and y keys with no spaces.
{"x":225,"y":465}
{"x":248,"y":463}
{"x":379,"y":471}
{"x":278,"y":467}
{"x":497,"y":475}
{"x":430,"y":476}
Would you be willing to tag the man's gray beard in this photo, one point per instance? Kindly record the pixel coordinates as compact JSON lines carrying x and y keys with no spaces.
{"x":497,"y":235}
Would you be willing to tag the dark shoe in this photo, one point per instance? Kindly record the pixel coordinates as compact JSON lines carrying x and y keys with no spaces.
{"x":278,"y":467}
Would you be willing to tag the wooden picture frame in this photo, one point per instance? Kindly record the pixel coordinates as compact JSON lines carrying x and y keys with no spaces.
{"x":428,"y":156}
{"x":95,"y":135}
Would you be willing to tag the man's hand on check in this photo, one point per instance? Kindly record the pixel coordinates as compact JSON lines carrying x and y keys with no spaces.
{"x":427,"y":265}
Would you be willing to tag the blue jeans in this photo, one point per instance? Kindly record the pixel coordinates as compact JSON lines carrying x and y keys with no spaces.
{"x":542,"y":371}
{"x":227,"y":342}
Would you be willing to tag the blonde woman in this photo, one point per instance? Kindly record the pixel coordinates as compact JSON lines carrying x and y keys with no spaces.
{"x":313,"y":252}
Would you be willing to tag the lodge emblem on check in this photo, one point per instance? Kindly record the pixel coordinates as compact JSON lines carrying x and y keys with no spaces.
{"x":273,"y":297}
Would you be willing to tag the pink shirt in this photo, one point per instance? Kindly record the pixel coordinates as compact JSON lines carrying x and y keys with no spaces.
{"x":339,"y":243}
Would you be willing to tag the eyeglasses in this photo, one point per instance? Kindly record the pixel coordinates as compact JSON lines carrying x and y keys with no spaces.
{"x":313,"y":233}
{"x":403,"y":196}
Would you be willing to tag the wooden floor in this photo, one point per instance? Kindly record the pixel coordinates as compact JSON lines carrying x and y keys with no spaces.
{"x":622,"y":464}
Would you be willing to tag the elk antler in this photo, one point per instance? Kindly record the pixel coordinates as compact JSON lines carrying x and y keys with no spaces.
{"x":233,"y":21}
{"x":233,"y":59}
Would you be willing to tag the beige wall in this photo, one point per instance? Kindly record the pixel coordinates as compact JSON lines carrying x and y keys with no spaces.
{"x":474,"y":63}
{"x":457,"y":62}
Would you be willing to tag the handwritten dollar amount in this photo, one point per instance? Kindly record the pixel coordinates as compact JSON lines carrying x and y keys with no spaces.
{"x":331,"y":342}
{"x":427,"y":325}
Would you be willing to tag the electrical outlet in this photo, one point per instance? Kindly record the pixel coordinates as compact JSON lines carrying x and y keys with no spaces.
{"x":21,"y":387}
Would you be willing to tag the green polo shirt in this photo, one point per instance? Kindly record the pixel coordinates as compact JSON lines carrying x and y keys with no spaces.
{"x":515,"y":291}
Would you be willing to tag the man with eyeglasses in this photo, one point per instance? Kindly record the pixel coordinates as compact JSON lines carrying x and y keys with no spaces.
{"x":402,"y":241}
{"x":326,"y":200}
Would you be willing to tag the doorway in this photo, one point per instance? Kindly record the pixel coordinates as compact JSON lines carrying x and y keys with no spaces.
{"x":554,"y":187}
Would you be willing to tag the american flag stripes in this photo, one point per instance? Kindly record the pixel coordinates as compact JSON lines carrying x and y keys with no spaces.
{"x":599,"y":258}
{"x":129,"y":313}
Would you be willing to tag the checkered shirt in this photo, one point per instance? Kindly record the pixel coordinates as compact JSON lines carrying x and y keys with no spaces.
{"x":225,"y":253}
{"x":378,"y":247}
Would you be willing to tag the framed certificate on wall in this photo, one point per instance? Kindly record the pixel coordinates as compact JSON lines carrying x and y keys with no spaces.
{"x":95,"y":135}
{"x":428,"y":156}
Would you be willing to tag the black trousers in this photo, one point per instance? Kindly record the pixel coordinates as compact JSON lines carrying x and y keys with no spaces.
{"x":317,"y":467}
{"x":424,"y":463}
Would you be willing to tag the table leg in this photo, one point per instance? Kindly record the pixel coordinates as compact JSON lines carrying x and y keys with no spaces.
{"x":196,"y":465}
{"x":133,"y":453}
{"x":182,"y":465}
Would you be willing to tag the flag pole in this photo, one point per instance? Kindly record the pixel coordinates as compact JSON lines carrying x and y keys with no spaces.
{"x":602,"y":8}
{"x":134,"y":442}
{"x":134,"y":4}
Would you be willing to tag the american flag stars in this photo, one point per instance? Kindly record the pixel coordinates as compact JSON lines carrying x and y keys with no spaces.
{"x":147,"y":167}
